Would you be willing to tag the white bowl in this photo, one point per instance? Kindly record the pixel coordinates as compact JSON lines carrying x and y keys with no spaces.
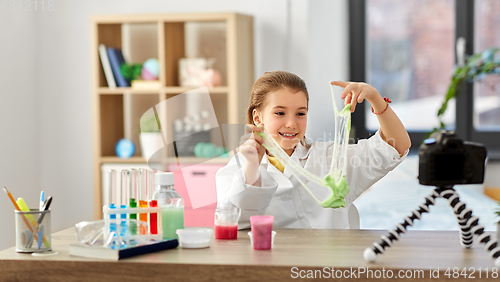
{"x":194,"y":238}
{"x":272,"y":237}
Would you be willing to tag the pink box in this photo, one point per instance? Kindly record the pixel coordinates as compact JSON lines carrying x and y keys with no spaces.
{"x":196,"y":185}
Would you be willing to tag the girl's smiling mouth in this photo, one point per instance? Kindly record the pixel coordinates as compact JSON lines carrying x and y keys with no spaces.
{"x":288,"y":135}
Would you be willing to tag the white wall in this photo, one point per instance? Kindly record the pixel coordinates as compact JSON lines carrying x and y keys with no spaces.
{"x":19,"y":153}
{"x":492,"y":175}
{"x":328,"y":59}
{"x":45,"y":86}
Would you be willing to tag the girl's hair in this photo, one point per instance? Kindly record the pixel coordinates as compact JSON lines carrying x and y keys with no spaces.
{"x":271,"y":81}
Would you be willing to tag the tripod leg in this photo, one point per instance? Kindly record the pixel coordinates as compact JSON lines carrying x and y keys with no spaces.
{"x":371,"y":254}
{"x":471,"y":225}
{"x":462,"y":213}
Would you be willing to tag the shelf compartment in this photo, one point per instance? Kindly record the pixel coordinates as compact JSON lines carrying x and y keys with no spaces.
{"x":185,"y":112}
{"x":111,"y":123}
{"x":120,"y":116}
{"x":174,"y":51}
{"x":137,"y":41}
{"x":194,"y":39}
{"x":111,"y":36}
{"x":135,"y":105}
{"x":208,"y":39}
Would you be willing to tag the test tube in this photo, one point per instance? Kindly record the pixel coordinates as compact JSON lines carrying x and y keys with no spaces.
{"x":151,"y":183}
{"x":123,"y":200}
{"x":132,"y":195}
{"x":153,"y":217}
{"x":143,"y":201}
{"x":112,"y":189}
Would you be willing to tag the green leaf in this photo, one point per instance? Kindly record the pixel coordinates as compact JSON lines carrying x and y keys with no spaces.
{"x":430,"y":133}
{"x":477,"y":66}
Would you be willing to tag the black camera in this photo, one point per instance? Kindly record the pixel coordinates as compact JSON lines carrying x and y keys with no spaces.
{"x":444,"y":159}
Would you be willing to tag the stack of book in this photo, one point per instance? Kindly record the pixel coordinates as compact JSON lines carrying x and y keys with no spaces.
{"x":112,"y":59}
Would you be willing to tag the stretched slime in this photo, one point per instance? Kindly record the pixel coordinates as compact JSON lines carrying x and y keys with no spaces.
{"x":335,"y":181}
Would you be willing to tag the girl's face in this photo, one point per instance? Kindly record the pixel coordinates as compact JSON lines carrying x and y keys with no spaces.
{"x":284,"y":116}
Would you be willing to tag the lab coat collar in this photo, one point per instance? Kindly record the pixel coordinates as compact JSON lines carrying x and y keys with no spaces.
{"x":283,"y":179}
{"x":300,"y":152}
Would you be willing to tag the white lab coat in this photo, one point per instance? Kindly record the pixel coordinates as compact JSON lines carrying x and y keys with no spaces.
{"x":283,"y":197}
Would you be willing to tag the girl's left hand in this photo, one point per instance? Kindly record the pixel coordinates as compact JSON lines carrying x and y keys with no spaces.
{"x":357,"y":92}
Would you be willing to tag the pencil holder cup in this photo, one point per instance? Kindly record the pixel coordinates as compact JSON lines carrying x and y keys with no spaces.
{"x":33,"y":232}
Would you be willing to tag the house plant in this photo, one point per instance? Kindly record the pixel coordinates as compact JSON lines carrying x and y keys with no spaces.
{"x":150,"y":135}
{"x":475,"y":69}
{"x":498,"y":224}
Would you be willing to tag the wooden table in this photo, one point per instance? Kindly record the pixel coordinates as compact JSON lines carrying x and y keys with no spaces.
{"x":296,"y":253}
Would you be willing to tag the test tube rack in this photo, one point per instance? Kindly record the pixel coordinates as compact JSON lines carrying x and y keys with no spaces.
{"x":138,"y":237}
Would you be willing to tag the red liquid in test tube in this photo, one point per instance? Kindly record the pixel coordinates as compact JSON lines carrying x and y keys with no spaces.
{"x":153,"y":218}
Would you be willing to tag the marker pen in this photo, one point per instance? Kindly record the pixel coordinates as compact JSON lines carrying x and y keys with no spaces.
{"x":42,"y":200}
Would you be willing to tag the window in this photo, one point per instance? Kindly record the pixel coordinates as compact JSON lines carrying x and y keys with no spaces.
{"x":406,"y":49}
{"x":487,"y":92}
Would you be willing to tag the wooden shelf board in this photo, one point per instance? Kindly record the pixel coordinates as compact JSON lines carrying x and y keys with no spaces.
{"x":193,"y":160}
{"x":183,"y":160}
{"x":150,"y":18}
{"x":179,"y":89}
{"x":120,"y":160}
{"x":167,"y":90}
{"x":121,"y":90}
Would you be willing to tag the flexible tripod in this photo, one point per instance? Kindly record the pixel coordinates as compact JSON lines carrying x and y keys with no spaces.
{"x":469,"y":226}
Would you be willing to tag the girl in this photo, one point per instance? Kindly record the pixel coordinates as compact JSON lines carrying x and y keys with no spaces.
{"x":280,"y":102}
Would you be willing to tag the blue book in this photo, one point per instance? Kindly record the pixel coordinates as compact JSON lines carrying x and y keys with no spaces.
{"x":116,"y":59}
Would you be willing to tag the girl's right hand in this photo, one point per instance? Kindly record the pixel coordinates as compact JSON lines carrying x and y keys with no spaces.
{"x":251,"y":145}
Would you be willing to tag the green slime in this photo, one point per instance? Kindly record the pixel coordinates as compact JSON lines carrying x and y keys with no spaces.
{"x":339,"y":191}
{"x":335,"y":180}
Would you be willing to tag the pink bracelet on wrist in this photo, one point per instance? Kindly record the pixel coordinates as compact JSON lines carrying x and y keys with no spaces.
{"x":388,"y":101}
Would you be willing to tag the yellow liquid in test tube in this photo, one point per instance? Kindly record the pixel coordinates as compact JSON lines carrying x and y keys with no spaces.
{"x":143,"y":217}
